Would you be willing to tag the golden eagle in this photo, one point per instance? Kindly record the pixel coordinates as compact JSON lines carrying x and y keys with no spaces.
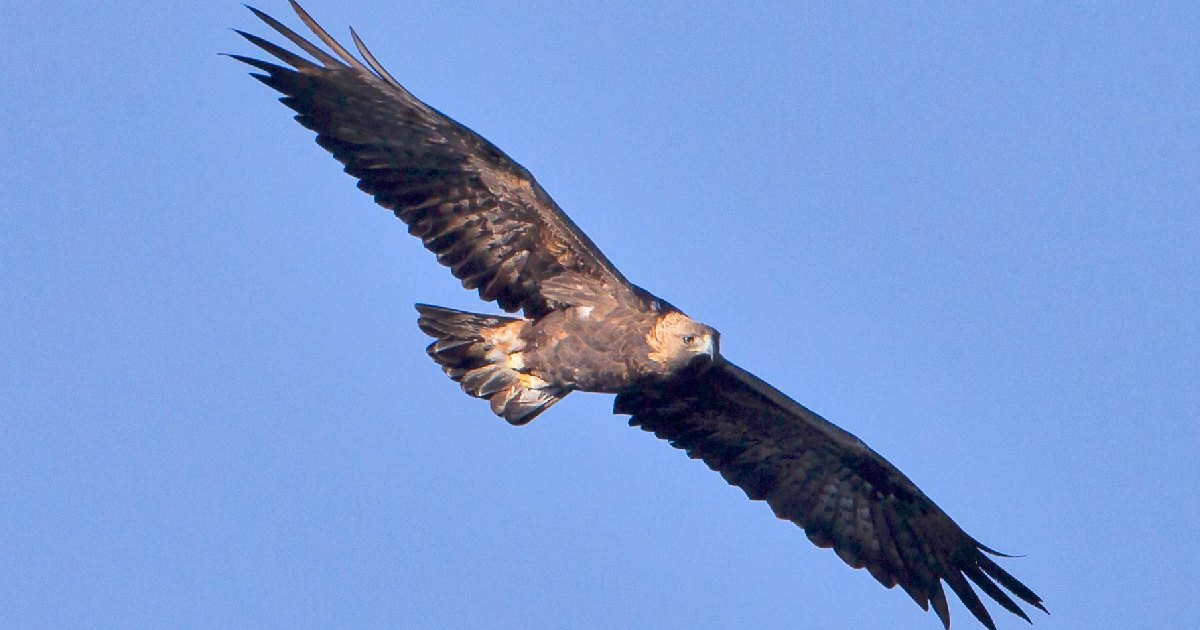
{"x":585,"y":327}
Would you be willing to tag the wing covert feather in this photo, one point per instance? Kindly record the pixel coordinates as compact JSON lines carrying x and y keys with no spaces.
{"x":480,"y":212}
{"x":813,"y":473}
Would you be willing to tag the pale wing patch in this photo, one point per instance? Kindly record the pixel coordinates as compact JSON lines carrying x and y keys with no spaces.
{"x":504,"y":341}
{"x":507,"y":338}
{"x":516,"y":361}
{"x":532,"y":381}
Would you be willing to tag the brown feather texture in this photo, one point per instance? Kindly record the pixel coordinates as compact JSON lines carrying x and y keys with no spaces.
{"x":584,"y":327}
{"x":481,"y":213}
{"x":846,"y":496}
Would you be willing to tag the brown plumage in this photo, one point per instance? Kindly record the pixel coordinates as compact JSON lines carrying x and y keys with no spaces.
{"x":584,"y":327}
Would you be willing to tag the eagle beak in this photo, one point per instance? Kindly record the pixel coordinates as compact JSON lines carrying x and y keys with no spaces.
{"x":709,"y":347}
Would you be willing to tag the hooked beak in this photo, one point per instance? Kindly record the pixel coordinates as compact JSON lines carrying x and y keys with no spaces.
{"x":709,"y":346}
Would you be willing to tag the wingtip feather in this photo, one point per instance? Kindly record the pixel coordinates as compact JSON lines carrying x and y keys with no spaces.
{"x":1014,"y":586}
{"x":294,"y":37}
{"x":265,"y":66}
{"x":324,"y":36}
{"x":373,"y":62}
{"x":288,"y":57}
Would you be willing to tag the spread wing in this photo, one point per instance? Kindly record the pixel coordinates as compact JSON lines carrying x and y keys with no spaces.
{"x":827,"y":481}
{"x":482,"y":213}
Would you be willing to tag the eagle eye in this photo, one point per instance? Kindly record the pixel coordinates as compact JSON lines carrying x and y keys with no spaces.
{"x":689,"y":339}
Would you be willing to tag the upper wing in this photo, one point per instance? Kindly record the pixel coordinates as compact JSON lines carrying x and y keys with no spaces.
{"x":842,"y":493}
{"x":482,"y":213}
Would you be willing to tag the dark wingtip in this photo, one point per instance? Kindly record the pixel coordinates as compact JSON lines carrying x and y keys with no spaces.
{"x":257,"y":63}
{"x":262,"y":16}
{"x":1011,"y":583}
{"x":998,"y":554}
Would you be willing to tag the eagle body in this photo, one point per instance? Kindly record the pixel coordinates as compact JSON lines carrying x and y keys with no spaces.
{"x":583,"y":327}
{"x":593,"y":351}
{"x":595,"y":341}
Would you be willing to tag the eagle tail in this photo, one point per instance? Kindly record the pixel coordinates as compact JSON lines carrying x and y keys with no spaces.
{"x":483,"y":354}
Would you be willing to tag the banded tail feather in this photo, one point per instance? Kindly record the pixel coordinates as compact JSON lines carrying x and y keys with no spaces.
{"x":483,"y":354}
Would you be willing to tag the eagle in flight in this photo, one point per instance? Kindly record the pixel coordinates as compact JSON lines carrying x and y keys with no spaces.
{"x":584,"y":327}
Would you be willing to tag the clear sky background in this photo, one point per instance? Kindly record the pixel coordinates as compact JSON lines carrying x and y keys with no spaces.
{"x":968,"y":234}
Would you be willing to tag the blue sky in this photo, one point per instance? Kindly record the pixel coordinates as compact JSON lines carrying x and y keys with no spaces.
{"x":966,"y":234}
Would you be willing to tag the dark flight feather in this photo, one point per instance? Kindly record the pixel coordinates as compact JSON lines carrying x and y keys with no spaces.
{"x":811,"y":472}
{"x":479,"y":211}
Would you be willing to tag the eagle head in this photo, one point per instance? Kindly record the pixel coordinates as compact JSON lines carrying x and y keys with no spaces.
{"x":678,"y":342}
